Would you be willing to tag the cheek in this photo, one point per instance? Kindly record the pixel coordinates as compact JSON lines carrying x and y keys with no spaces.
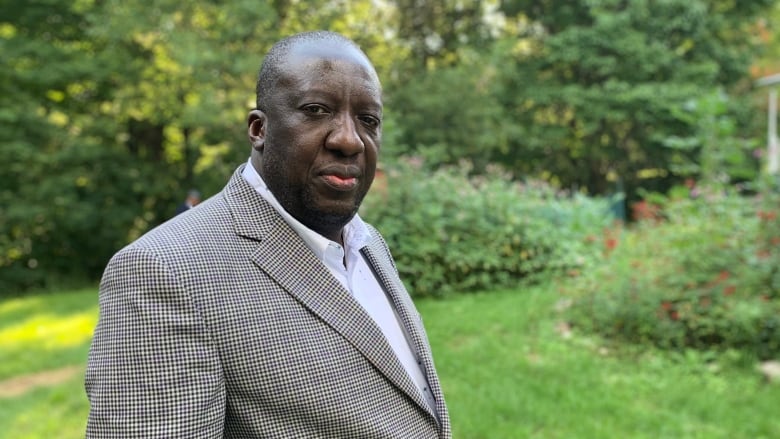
{"x":370,"y":173}
{"x":371,"y":157}
{"x":292,"y":155}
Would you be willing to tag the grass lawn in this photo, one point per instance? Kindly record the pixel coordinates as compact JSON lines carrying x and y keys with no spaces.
{"x":506,"y":370}
{"x":508,"y":373}
{"x":44,"y":340}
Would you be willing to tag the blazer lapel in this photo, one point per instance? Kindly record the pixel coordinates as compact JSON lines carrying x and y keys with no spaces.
{"x":284,"y":256}
{"x":387,"y":275}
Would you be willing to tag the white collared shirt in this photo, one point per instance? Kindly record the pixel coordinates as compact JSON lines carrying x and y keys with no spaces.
{"x":357,"y":277}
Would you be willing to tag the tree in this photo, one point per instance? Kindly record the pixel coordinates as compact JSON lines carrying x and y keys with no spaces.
{"x":602,"y":89}
{"x":53,"y":80}
{"x":584,"y":93}
{"x":111,"y":114}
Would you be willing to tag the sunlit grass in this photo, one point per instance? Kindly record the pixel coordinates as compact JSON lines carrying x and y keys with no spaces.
{"x":46,"y":335}
{"x":46,"y":331}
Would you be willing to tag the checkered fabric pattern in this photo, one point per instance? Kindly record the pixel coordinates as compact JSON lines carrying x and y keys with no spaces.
{"x":221,"y":323}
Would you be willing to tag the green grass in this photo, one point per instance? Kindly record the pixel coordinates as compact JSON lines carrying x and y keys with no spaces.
{"x":38,"y":333}
{"x":506,"y":371}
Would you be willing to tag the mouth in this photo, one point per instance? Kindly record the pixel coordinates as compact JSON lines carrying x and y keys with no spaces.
{"x":342,"y":178}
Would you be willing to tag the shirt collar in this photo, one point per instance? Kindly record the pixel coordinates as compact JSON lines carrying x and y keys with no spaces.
{"x":356,"y":234}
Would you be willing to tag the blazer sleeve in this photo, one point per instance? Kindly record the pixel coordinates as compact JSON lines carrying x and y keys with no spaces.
{"x":153,"y":370}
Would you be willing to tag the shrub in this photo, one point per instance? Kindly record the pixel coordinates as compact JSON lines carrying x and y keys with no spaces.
{"x":706,"y":277}
{"x":450,"y":231}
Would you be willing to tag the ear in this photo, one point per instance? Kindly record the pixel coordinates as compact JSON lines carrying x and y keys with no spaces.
{"x":256,"y":123}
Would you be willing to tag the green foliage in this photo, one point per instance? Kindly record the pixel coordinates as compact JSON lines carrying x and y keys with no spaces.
{"x":47,"y":202}
{"x":590,"y":94}
{"x":109,"y":117}
{"x":602,"y":91}
{"x":713,"y":153}
{"x":450,"y":231}
{"x":446,"y":127}
{"x":111,"y":110}
{"x":704,"y":278}
{"x":72,"y":220}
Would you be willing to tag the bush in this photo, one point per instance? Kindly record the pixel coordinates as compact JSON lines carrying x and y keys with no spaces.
{"x":452,"y":232}
{"x":705,"y":277}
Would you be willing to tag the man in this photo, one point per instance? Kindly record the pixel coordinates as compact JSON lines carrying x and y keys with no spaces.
{"x":272,"y":310}
{"x":192,"y":200}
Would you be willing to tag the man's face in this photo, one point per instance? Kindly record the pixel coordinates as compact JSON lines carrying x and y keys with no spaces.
{"x":320,"y":135}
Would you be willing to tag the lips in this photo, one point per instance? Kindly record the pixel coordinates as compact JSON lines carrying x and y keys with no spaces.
{"x":342,"y":178}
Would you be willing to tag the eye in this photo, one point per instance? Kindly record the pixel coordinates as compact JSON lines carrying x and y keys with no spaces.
{"x":315,"y":109}
{"x":370,"y":121}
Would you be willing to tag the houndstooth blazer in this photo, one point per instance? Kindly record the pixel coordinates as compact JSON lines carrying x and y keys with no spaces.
{"x":222,"y":323}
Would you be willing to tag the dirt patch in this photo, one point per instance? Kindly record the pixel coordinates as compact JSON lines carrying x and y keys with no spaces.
{"x":22,"y":384}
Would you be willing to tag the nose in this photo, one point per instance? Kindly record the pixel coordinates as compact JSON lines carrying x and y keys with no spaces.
{"x":344,"y":136}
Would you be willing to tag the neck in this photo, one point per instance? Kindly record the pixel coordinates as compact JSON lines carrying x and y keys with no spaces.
{"x":329,"y":226}
{"x":336,"y":236}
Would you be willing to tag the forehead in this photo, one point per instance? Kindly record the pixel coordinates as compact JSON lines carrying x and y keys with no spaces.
{"x":329,"y":50}
{"x":320,"y":63}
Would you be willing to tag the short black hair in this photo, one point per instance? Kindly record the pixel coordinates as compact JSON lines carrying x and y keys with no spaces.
{"x":270,"y":68}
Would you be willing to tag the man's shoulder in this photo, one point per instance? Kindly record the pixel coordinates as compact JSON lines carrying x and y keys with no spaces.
{"x":205,"y":223}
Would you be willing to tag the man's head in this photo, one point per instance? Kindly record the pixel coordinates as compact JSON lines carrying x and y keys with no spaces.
{"x":193,"y":197}
{"x":317,"y":128}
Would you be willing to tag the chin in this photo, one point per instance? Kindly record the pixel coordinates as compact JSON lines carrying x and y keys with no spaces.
{"x":332,"y":218}
{"x":323,"y":213}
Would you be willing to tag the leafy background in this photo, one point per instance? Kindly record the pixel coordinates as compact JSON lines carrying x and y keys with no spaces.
{"x":112,"y":110}
{"x":575,"y":193}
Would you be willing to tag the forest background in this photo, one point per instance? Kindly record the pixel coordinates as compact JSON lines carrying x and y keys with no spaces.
{"x":111,"y":110}
{"x":583,"y":184}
